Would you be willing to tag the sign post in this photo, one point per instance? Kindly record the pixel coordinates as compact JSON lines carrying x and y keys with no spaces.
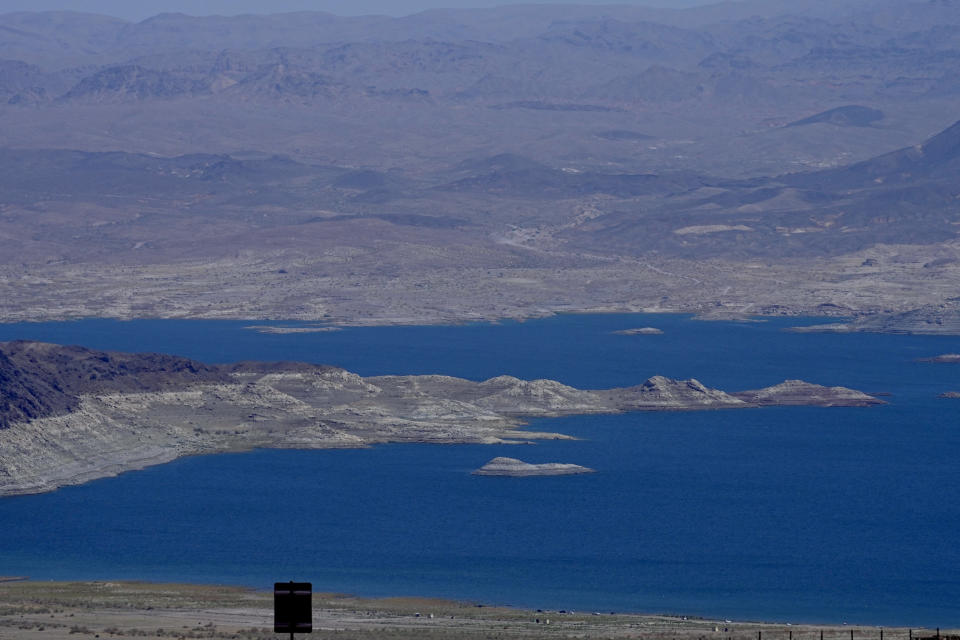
{"x":292,"y":607}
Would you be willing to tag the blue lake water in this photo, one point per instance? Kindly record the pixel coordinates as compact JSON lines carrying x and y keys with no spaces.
{"x":791,"y":514}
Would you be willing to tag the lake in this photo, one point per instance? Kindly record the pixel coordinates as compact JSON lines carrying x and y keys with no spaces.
{"x":783,"y":514}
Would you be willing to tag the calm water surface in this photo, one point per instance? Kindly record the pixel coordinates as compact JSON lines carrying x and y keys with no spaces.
{"x":793,"y":514}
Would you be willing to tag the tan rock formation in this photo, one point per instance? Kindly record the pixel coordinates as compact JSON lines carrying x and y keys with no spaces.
{"x":502,"y":466}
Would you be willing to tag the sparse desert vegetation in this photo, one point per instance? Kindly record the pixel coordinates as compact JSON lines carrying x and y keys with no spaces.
{"x":123,"y":610}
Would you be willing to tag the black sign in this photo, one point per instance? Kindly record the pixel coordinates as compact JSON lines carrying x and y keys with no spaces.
{"x":292,"y":610}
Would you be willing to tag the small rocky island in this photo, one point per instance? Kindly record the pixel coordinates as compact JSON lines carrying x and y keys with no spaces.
{"x":640,"y":331}
{"x":70,"y":414}
{"x":518,"y":468}
{"x":281,"y":330}
{"x":949,"y":358}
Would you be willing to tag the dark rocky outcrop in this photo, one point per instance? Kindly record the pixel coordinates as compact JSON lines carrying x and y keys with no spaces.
{"x":40,"y":379}
{"x":25,"y":395}
{"x":262,"y":368}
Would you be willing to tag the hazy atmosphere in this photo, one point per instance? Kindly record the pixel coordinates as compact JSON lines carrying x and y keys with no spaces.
{"x":141,"y":9}
{"x":675,"y":287}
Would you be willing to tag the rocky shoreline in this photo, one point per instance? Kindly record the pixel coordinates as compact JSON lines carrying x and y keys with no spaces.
{"x":69,"y":415}
{"x":930,"y":319}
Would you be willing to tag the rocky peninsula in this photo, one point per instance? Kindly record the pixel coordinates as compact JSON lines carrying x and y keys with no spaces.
{"x":71,"y":414}
{"x":930,"y":319}
{"x":502,"y":466}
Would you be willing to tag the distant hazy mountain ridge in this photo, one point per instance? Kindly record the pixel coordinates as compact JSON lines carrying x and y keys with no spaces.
{"x":746,"y":157}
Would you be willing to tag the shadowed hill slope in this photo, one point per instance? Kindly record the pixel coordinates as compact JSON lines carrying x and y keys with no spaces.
{"x":39,"y":380}
{"x":848,"y":116}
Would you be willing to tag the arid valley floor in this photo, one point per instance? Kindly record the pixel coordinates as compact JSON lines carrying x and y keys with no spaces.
{"x":743,"y":158}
